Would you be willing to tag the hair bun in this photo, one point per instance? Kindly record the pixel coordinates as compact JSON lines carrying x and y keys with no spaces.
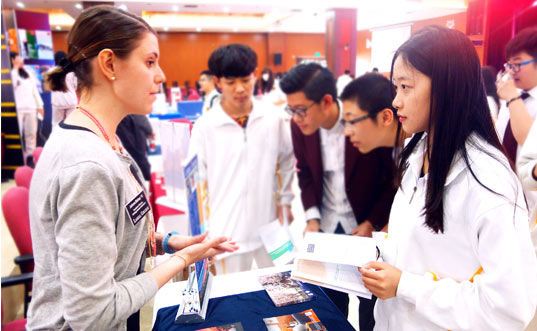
{"x":66,"y":65}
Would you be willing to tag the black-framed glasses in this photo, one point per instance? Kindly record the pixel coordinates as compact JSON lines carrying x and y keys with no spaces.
{"x":359,"y":119}
{"x":515,"y":67}
{"x":301,"y":112}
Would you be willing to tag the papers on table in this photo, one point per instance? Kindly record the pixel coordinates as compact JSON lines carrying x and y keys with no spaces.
{"x":332,"y":261}
{"x":278,"y":242}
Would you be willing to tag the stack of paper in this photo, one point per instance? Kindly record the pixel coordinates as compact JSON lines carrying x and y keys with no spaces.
{"x":332,"y":261}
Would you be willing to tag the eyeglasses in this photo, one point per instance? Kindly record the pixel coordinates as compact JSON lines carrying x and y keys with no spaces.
{"x":301,"y":112}
{"x":356,"y":120}
{"x":515,"y":67}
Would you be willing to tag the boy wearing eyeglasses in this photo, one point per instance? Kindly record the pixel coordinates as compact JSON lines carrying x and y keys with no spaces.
{"x":519,"y":90}
{"x":343,"y":191}
{"x":246,"y":158}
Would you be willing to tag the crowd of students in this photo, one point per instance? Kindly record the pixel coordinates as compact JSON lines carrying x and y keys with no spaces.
{"x":417,"y":156}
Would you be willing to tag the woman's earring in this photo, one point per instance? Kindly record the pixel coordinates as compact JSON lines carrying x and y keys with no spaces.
{"x":113,"y":78}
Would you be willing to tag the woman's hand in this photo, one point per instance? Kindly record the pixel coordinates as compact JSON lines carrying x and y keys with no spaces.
{"x":383,"y":280}
{"x":201,"y":248}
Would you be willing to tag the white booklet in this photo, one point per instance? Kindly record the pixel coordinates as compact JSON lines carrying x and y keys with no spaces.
{"x":332,"y":261}
{"x":278,"y":242}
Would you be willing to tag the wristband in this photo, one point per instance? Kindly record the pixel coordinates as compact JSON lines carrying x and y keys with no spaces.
{"x":513,"y":99}
{"x":165,"y":242}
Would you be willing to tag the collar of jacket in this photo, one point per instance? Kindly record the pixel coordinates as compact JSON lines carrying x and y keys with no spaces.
{"x":221,"y":118}
{"x":458,"y":164}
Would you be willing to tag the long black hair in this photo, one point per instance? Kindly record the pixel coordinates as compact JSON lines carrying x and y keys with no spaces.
{"x":22,"y":72}
{"x":266,"y":86}
{"x":458,"y":109}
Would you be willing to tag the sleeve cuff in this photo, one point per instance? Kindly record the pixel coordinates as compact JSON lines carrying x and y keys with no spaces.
{"x":313,"y":213}
{"x":408,"y":286}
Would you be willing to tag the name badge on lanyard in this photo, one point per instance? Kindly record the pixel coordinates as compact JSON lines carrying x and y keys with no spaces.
{"x":137,"y":208}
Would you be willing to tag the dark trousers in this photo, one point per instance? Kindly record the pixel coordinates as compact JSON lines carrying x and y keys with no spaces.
{"x":341,"y":300}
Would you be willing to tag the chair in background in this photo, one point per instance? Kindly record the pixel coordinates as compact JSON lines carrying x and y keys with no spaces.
{"x":37,"y":153}
{"x":16,"y":214}
{"x":23,"y":176}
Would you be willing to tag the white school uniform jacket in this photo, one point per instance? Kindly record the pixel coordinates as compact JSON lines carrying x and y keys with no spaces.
{"x":526,"y":162}
{"x":27,"y":97}
{"x":246,"y":170}
{"x":481,"y":229}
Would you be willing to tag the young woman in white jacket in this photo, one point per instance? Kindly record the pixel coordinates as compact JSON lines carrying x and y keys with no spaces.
{"x":28,"y":103}
{"x":461,"y":256}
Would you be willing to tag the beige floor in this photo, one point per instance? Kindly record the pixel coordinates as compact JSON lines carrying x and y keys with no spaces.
{"x":12,"y":298}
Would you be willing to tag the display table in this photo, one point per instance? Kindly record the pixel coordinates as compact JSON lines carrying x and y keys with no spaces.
{"x":239,"y":297}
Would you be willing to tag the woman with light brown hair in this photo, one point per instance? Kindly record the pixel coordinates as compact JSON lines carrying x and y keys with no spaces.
{"x":91,"y":223}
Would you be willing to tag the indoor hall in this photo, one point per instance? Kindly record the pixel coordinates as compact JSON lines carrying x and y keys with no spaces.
{"x":349,"y":38}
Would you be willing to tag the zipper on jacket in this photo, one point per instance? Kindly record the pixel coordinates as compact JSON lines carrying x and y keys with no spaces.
{"x":413,"y":193}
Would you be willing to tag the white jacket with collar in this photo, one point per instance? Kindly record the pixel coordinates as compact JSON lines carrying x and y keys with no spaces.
{"x":525,"y":164}
{"x":481,"y":229}
{"x":247,"y":171}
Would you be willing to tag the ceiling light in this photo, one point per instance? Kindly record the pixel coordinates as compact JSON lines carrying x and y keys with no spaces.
{"x":226,"y":9}
{"x":79,"y":6}
{"x":198,"y":29}
{"x":175,"y":8}
{"x":165,"y":28}
{"x":235,"y":29}
{"x":535,"y":4}
{"x":20,"y":5}
{"x":58,"y":27}
{"x":123,"y":7}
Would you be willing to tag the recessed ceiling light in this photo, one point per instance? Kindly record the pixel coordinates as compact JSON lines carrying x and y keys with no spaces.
{"x":226,"y":9}
{"x":20,"y":5}
{"x":165,"y":28}
{"x":123,"y":7}
{"x":78,"y":6}
{"x":175,"y":8}
{"x":58,"y":27}
{"x":235,"y":29}
{"x":198,"y":29}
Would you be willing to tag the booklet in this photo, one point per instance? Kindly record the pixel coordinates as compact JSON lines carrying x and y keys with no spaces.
{"x":278,"y":242}
{"x":283,"y":290}
{"x":237,"y":326}
{"x":332,"y":261}
{"x":303,"y":321}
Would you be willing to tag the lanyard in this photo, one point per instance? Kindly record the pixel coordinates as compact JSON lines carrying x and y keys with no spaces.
{"x":101,"y":128}
{"x":151,"y":240}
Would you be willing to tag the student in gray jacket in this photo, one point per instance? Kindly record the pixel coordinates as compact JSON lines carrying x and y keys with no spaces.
{"x":90,"y":219}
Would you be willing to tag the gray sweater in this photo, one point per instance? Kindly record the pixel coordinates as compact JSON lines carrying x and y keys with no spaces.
{"x":86,"y":249}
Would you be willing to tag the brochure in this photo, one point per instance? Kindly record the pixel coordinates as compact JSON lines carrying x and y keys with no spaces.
{"x":332,"y":261}
{"x":303,"y":321}
{"x":278,"y":242}
{"x":285,"y":291}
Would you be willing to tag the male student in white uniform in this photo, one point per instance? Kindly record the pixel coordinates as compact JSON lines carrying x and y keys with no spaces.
{"x":246,"y":157}
{"x":207,"y":86}
{"x":520,"y":93}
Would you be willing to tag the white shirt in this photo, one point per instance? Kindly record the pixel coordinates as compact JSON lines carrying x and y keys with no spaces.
{"x":27,"y":97}
{"x":66,"y":100}
{"x":208,"y":99}
{"x":501,"y":125}
{"x":481,"y":229}
{"x":247,"y":171}
{"x":342,"y":81}
{"x":335,"y":206}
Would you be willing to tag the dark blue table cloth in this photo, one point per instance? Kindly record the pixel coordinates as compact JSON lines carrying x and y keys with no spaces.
{"x":250,"y":309}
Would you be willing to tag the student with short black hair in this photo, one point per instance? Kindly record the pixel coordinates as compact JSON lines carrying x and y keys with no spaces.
{"x":246,"y":158}
{"x":460,"y":255}
{"x":208,"y":88}
{"x":343,"y":190}
{"x":370,"y":119}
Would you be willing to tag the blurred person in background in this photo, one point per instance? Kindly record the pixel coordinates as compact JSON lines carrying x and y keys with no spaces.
{"x":28,"y":103}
